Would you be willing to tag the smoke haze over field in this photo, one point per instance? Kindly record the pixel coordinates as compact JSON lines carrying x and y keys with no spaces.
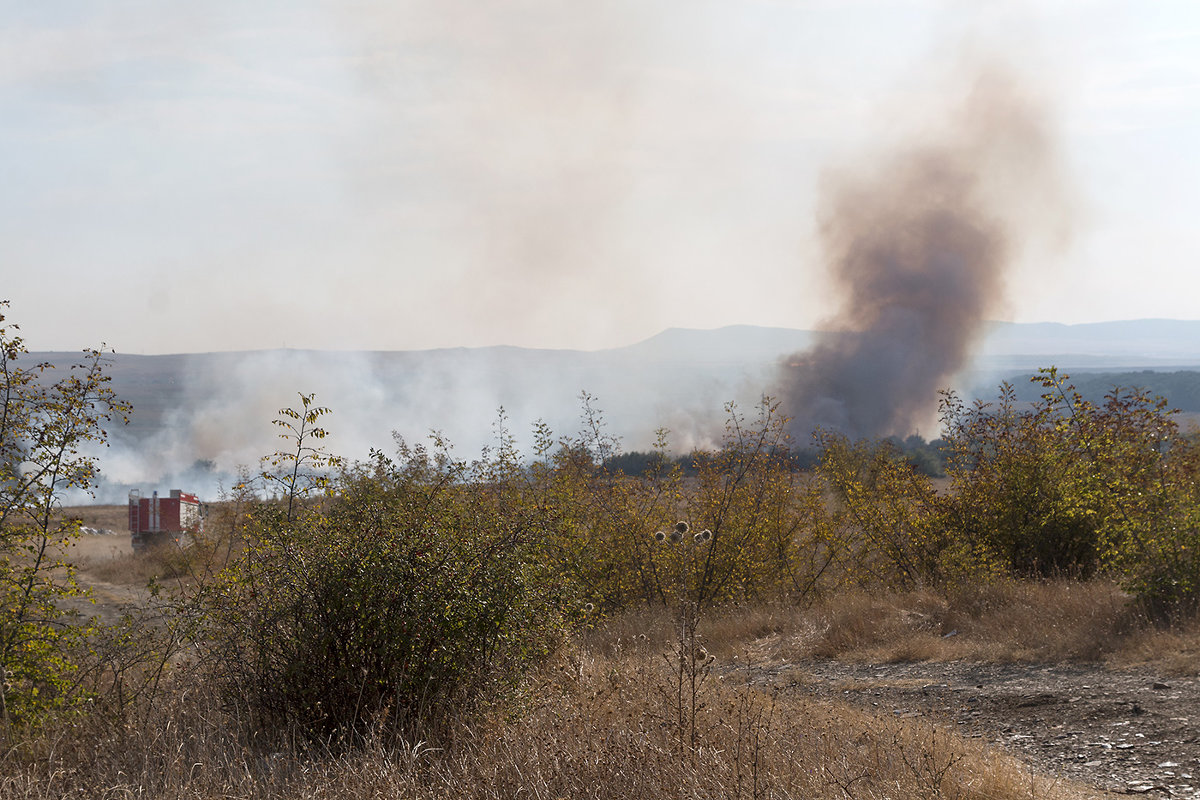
{"x":380,"y":177}
{"x":197,"y":419}
{"x":916,"y":238}
{"x":917,"y":242}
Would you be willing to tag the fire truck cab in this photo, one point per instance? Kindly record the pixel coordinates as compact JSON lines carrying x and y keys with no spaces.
{"x":158,"y":520}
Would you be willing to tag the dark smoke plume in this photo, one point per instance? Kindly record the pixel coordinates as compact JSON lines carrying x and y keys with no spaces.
{"x":917,"y":251}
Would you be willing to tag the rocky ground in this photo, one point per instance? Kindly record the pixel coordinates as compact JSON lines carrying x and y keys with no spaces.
{"x":1128,"y":732}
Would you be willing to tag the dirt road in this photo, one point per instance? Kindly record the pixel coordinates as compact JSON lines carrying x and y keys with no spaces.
{"x":1128,"y":732}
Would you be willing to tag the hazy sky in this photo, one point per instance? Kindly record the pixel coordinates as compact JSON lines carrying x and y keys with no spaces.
{"x":222,"y":174}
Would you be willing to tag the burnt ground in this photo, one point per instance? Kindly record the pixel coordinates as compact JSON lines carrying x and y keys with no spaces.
{"x":1125,"y":731}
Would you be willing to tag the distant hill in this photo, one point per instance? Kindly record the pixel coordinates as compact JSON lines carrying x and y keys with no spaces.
{"x":198,"y":416}
{"x":1181,"y":389}
{"x":1137,"y":344}
{"x":1101,"y":345}
{"x":736,"y":344}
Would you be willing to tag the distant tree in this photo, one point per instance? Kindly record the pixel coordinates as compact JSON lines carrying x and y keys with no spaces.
{"x":1180,"y":389}
{"x":636,"y":462}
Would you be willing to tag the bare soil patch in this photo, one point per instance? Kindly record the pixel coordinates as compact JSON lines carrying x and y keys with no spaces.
{"x":1130,"y":731}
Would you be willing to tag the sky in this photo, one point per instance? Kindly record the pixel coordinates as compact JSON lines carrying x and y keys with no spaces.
{"x":222,"y":175}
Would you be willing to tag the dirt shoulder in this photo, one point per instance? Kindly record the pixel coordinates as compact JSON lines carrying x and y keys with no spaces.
{"x":1124,"y":731}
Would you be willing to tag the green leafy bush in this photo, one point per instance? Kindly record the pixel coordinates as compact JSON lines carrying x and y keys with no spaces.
{"x":398,"y":600}
{"x":1016,"y":486}
{"x":881,"y":515}
{"x":1067,"y":486}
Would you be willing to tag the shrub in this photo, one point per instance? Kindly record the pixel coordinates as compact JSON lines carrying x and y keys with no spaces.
{"x":1066,"y":486}
{"x":746,"y":494}
{"x":1015,"y":477}
{"x":382,"y":609}
{"x":600,"y":526}
{"x":882,"y":522}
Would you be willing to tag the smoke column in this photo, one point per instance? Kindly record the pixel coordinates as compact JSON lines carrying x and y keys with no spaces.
{"x":917,"y":245}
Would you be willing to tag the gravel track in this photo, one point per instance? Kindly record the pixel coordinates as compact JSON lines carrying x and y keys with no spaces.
{"x":1123,"y":731}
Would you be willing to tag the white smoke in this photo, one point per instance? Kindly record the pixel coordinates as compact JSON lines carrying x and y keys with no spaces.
{"x":221,"y":421}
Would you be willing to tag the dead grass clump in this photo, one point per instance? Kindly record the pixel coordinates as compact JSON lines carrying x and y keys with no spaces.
{"x":635,"y":629}
{"x":167,"y":562}
{"x":184,"y":747}
{"x":738,"y":633}
{"x":613,"y":733}
{"x":178,"y":746}
{"x":1060,"y":620}
{"x":1000,"y":620}
{"x":1174,"y":650}
{"x":726,"y":630}
{"x":729,"y":631}
{"x":878,"y":627}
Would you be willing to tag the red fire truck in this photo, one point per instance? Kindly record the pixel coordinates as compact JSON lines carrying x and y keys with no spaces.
{"x":158,"y":520}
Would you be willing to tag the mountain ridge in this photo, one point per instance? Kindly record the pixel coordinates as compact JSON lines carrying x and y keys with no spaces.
{"x":1000,"y":337}
{"x":216,"y":408}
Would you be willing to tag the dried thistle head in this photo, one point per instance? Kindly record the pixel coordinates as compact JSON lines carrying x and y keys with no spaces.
{"x":681,"y":526}
{"x":676,"y":537}
{"x":660,"y":537}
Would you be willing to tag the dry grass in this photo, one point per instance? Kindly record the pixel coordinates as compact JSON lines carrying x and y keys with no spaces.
{"x":1175,"y":651}
{"x":111,"y":518}
{"x":610,"y":731}
{"x":126,"y":568}
{"x":1005,"y":621}
{"x":606,"y":720}
{"x":593,"y":726}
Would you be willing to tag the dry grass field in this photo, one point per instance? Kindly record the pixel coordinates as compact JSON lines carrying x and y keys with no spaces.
{"x":109,"y":518}
{"x":874,"y":695}
{"x":605,"y":720}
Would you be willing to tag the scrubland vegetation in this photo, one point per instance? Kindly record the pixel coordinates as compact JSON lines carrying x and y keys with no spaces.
{"x":541,"y":625}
